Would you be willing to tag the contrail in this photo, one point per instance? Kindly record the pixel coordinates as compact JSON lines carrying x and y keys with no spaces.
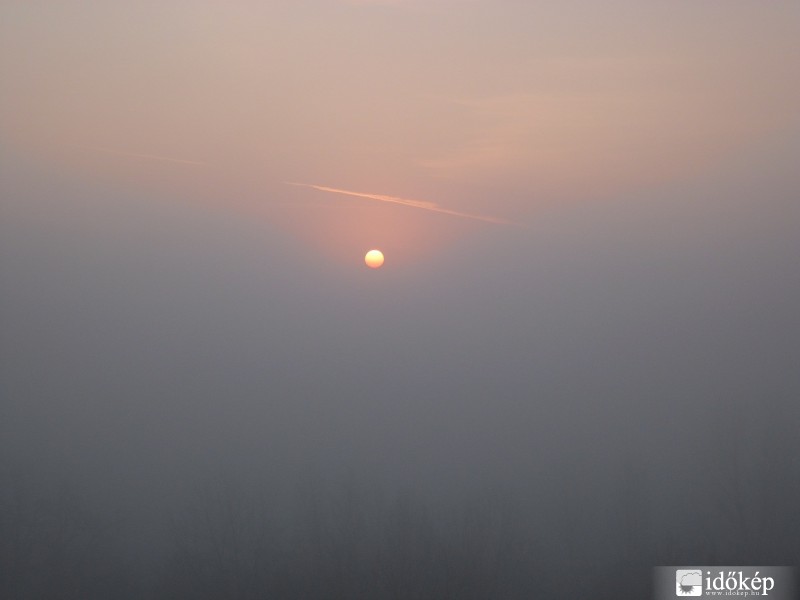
{"x":423,"y":204}
{"x":180,"y":161}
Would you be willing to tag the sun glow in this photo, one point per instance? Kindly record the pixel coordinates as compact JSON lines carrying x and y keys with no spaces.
{"x":374,"y":259}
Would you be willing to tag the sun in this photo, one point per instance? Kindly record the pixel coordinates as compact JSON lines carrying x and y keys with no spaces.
{"x":374,"y":259}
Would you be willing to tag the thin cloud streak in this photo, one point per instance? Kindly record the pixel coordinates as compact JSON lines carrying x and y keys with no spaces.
{"x":423,"y":204}
{"x":157,"y":157}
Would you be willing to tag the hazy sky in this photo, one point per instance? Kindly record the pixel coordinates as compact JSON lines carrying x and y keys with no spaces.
{"x":501,"y":108}
{"x":172,"y":306}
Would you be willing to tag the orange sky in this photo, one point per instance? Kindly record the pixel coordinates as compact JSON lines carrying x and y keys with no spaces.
{"x":481,"y":107}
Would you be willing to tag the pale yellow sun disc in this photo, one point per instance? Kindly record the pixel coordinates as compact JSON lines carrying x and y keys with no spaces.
{"x":374,"y":259}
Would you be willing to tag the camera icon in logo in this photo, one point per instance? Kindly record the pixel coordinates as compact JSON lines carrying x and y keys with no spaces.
{"x":688,"y":582}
